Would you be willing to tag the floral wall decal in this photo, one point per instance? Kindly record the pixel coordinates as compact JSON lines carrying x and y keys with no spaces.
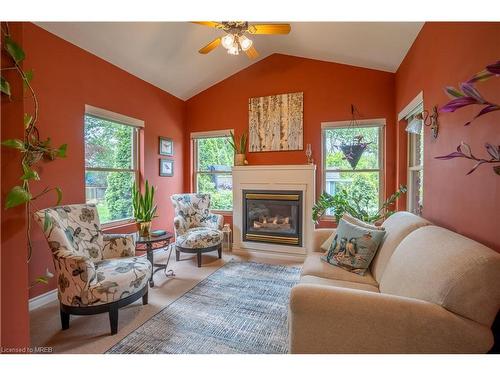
{"x":468,"y":95}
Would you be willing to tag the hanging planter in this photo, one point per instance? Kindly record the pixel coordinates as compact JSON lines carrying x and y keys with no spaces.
{"x":354,"y":149}
{"x":353,"y":152}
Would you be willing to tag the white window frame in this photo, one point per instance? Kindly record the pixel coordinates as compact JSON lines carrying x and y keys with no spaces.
{"x":411,"y":155}
{"x":136,"y":124}
{"x":201,"y":135}
{"x":379,"y":123}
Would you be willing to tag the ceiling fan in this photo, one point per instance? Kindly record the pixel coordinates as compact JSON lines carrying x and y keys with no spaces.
{"x":235,"y":41}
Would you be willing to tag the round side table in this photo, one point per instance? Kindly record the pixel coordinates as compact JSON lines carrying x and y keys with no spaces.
{"x":149,"y":245}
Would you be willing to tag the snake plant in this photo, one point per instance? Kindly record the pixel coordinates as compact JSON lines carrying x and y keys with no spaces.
{"x":143,"y":205}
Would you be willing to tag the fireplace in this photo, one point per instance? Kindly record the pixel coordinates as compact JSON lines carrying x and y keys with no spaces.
{"x":272,"y":216}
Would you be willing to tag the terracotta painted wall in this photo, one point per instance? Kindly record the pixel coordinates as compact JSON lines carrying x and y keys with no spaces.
{"x":445,"y":54}
{"x":13,"y":253}
{"x":66,"y":78}
{"x":329,"y":89}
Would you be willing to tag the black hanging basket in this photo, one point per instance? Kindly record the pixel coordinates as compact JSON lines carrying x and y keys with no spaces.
{"x":353,"y":152}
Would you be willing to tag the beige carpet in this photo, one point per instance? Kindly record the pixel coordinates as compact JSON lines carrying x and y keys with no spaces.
{"x":90,"y":334}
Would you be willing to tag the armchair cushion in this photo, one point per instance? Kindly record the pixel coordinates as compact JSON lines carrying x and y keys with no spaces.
{"x":118,"y":246}
{"x":197,"y":238}
{"x":118,"y":278}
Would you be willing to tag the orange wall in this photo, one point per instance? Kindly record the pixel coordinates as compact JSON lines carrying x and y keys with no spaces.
{"x":13,"y":251}
{"x":65,"y":79}
{"x":445,"y":54}
{"x":329,"y":89}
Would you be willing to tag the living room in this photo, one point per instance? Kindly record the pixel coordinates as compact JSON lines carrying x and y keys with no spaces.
{"x":247,"y":187}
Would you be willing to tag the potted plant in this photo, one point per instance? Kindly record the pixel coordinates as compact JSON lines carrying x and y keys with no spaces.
{"x":353,"y":204}
{"x":144,"y":208}
{"x":239,"y":148}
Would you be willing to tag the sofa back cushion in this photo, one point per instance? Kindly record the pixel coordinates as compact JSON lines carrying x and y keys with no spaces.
{"x":442,"y":267}
{"x":397,"y":227}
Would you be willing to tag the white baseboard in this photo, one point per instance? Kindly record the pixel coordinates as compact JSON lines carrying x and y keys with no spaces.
{"x":42,"y":299}
{"x":270,"y":254}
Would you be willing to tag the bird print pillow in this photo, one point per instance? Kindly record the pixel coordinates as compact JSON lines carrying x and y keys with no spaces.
{"x":353,"y":247}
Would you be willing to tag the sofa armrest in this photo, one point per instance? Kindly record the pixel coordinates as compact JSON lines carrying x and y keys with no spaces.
{"x":118,"y":246}
{"x":320,"y":236}
{"x":326,"y":319}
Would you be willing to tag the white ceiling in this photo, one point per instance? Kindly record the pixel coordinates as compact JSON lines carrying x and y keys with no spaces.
{"x":165,"y":53}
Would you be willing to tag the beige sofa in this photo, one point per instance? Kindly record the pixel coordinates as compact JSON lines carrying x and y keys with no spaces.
{"x":429,"y":290}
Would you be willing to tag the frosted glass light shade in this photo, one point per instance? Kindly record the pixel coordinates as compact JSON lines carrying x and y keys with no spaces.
{"x":245,"y":43}
{"x":228,"y":41}
{"x":233,"y":50}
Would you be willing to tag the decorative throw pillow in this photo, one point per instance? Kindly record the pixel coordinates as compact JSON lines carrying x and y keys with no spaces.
{"x":360,"y":223}
{"x":353,"y":247}
{"x":325,"y":246}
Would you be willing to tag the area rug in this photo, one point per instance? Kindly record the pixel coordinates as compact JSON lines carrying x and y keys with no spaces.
{"x":240,"y":308}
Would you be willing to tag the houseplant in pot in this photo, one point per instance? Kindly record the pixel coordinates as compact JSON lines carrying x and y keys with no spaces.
{"x":239,"y":148}
{"x":144,"y":208}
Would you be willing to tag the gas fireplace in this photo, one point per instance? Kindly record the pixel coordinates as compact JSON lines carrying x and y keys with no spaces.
{"x":272,"y":216}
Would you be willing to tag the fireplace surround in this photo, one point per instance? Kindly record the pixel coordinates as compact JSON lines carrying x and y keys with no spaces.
{"x":272,"y":216}
{"x":270,"y":179}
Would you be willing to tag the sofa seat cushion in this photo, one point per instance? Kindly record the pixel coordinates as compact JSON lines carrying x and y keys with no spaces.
{"x":118,"y":278}
{"x":314,"y":266}
{"x":199,"y":238}
{"x":309,"y":279}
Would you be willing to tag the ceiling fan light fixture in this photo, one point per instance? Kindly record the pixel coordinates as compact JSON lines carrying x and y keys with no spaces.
{"x":228,"y":41}
{"x":245,"y":42}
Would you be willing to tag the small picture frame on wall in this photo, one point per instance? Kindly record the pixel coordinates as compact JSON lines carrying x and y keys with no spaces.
{"x":166,"y":167}
{"x":166,"y":146}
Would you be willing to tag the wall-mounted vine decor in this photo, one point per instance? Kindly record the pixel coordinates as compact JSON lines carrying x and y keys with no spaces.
{"x":31,"y":147}
{"x":470,"y":95}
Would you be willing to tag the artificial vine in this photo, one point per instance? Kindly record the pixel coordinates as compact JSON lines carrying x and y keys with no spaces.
{"x":32,"y":148}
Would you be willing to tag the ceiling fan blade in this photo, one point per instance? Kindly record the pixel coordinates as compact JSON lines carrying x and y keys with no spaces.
{"x":252,"y":52}
{"x":210,"y":46}
{"x":213,"y":24}
{"x":272,"y":28}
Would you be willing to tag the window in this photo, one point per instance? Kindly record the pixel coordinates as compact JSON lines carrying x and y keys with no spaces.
{"x":213,"y":159}
{"x":363,"y":182}
{"x":111,"y":166}
{"x":415,"y":169}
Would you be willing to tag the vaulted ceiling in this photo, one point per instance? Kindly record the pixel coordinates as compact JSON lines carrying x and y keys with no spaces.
{"x":165,"y":53}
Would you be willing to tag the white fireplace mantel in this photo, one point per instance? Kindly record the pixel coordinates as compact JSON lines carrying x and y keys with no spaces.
{"x":274,"y":177}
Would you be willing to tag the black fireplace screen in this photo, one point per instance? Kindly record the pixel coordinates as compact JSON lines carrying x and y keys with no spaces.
{"x":272,"y":216}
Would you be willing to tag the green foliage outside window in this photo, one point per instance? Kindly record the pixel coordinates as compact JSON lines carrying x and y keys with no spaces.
{"x":216,"y":156}
{"x":361,"y":184}
{"x":109,"y":145}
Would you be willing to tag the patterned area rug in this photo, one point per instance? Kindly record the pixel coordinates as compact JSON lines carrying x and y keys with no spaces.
{"x":240,"y":308}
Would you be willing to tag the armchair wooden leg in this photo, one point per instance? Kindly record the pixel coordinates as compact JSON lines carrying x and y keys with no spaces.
{"x":64,"y":320}
{"x":113,"y":320}
{"x":145,"y":299}
{"x":219,"y":250}
{"x":198,"y":256}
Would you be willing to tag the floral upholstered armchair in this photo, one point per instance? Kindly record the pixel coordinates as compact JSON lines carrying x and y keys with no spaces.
{"x":197,"y":230}
{"x":95,"y":272}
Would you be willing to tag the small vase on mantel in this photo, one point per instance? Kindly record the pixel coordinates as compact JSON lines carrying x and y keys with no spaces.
{"x":239,"y":159}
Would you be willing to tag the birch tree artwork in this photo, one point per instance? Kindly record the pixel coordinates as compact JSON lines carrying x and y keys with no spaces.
{"x":275,"y":122}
